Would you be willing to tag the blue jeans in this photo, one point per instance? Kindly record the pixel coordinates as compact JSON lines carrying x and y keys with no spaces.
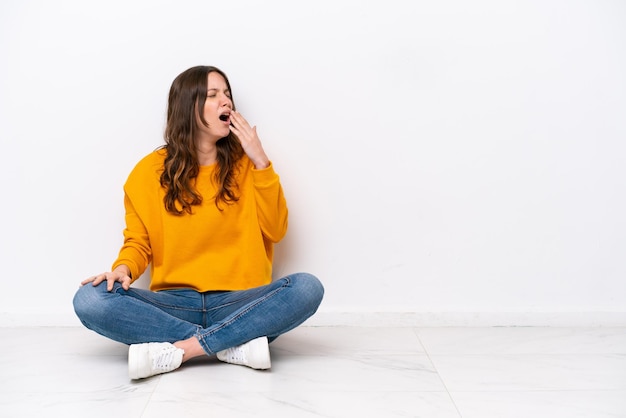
{"x":219,"y":320}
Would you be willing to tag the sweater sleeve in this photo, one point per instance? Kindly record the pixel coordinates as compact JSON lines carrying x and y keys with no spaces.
{"x":135,"y":252}
{"x":271,"y":204}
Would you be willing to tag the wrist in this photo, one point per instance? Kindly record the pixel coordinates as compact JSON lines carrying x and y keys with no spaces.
{"x":262,"y":165}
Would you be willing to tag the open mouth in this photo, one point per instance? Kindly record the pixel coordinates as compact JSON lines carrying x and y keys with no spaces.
{"x":225,"y":117}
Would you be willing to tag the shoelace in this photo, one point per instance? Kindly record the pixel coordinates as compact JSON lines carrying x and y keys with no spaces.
{"x":235,"y":354}
{"x":164,"y":360}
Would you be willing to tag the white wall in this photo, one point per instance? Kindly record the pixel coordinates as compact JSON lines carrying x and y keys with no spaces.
{"x":445,"y":162}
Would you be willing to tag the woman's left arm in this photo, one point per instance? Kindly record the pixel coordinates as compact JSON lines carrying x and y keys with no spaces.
{"x":270,"y":203}
{"x":269,"y":197}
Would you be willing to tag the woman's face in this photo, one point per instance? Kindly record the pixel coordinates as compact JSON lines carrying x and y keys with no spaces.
{"x":217,"y":107}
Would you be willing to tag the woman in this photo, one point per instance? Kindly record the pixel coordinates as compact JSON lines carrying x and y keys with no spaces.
{"x":204,"y":210}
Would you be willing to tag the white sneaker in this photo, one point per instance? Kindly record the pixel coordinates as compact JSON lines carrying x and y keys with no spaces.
{"x":254,"y":354}
{"x":149,"y":359}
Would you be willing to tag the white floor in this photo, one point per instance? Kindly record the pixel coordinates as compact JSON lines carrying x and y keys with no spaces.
{"x":329,"y":372}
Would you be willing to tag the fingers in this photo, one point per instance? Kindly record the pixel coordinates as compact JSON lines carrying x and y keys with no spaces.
{"x":95,"y":280}
{"x":125,"y":281}
{"x":111,"y":278}
{"x":238,"y":120}
{"x":84,"y":282}
{"x":241,"y":127}
{"x":249,"y":140}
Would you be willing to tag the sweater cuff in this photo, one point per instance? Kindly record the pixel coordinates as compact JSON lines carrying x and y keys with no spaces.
{"x":265,"y":176}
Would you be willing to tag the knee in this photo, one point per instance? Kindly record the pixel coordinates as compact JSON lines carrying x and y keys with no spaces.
{"x":310,"y":287}
{"x":87,"y":302}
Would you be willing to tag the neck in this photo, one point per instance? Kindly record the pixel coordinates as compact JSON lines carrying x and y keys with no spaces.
{"x":207,"y":152}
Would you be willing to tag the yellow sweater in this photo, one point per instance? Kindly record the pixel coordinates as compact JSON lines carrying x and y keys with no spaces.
{"x":208,"y":249}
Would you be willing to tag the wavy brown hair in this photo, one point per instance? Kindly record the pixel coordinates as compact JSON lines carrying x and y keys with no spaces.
{"x":185,"y":107}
